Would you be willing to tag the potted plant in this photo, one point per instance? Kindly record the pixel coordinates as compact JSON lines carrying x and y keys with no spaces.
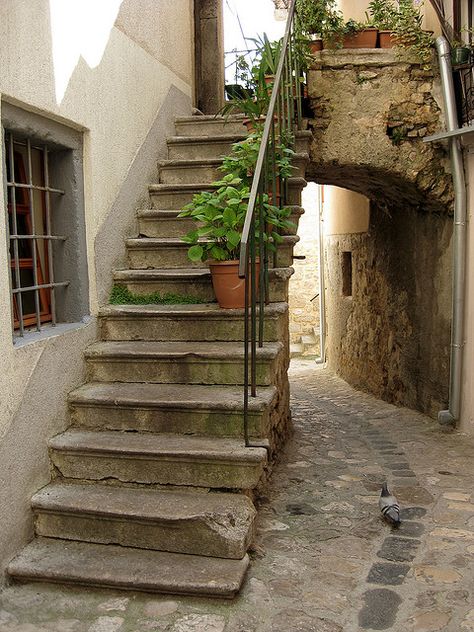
{"x":359,"y":35}
{"x":383,"y":15}
{"x":221,"y":215}
{"x":312,"y":17}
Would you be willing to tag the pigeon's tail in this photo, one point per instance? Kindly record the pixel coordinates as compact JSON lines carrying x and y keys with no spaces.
{"x":391,"y":513}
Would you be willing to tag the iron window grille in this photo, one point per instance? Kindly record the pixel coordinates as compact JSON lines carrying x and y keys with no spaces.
{"x":30,"y":204}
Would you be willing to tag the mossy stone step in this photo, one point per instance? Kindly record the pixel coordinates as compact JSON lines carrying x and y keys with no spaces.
{"x":194,"y":409}
{"x":157,"y":459}
{"x":179,"y":362}
{"x":206,"y":322}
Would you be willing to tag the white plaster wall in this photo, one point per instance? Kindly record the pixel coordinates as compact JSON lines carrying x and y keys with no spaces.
{"x":345,"y":211}
{"x":115,"y":95}
{"x":467,"y":394}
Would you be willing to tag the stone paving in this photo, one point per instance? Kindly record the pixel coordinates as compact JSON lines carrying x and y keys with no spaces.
{"x":323,"y":560}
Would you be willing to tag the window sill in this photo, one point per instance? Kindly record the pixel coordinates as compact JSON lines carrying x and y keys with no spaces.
{"x":48,"y":332}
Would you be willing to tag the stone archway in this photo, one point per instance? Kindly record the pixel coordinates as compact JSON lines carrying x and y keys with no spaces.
{"x":391,"y":336}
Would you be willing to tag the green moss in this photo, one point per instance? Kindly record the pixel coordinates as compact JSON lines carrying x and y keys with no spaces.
{"x":121,"y":295}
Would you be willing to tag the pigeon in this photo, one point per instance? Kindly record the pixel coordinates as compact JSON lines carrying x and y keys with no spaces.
{"x":389,"y":507}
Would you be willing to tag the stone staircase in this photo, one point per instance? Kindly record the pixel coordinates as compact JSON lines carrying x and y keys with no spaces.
{"x":153,"y":486}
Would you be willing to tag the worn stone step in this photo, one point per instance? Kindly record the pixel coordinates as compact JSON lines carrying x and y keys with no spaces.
{"x":195,"y":283}
{"x":164,"y":223}
{"x":189,"y":147}
{"x":299,"y":161}
{"x":184,"y":171}
{"x":215,"y":525}
{"x":174,"y":196}
{"x":187,"y":322}
{"x":117,"y":567}
{"x":179,"y":362}
{"x":191,"y":282}
{"x":209,"y":125}
{"x":296,"y":349}
{"x":194,"y":409}
{"x":159,"y":459}
{"x":159,"y":252}
{"x":303,"y":139}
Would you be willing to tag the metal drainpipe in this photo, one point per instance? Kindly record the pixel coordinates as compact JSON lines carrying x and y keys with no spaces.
{"x":322,"y":283}
{"x":450,"y":416}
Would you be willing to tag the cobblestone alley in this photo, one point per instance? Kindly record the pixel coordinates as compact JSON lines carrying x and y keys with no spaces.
{"x":323,"y":560}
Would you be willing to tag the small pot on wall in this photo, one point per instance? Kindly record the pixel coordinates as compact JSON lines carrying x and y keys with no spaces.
{"x":316,"y":45}
{"x":460,"y":55}
{"x":387,"y":39}
{"x":362,"y":39}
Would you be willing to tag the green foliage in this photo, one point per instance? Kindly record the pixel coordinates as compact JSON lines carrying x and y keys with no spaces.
{"x":221,"y":215}
{"x":121,"y":295}
{"x":314,"y":14}
{"x":243,"y":158}
{"x":409,"y":33}
{"x":383,"y":14}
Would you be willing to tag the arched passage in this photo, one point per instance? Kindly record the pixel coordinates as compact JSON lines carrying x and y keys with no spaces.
{"x":391,"y":333}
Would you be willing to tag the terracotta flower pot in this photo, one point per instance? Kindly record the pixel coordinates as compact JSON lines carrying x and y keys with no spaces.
{"x":315,"y":46}
{"x":387,"y":39}
{"x":229,"y":288}
{"x":363,"y":39}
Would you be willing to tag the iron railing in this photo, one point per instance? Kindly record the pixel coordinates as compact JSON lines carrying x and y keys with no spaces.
{"x":283,"y":118}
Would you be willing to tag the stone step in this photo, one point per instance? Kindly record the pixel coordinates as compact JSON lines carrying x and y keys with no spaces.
{"x":122,"y":568}
{"x":206,"y":322}
{"x":303,"y":139}
{"x":195,"y":283}
{"x":188,"y":147}
{"x":157,"y":459}
{"x":147,"y":253}
{"x":195,"y":171}
{"x":215,"y":525}
{"x":178,"y":362}
{"x":209,"y":125}
{"x":191,"y":282}
{"x":296,"y":349}
{"x":194,"y":409}
{"x":176,"y":196}
{"x":155,"y":223}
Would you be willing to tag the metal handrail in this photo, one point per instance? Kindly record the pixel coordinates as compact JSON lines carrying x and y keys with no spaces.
{"x":279,"y":119}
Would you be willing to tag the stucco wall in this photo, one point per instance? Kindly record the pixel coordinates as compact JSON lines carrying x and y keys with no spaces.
{"x":119,"y":72}
{"x":467,"y":388}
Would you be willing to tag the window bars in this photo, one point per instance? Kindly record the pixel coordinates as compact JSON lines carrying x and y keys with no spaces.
{"x":282,"y":120}
{"x":29,"y":205}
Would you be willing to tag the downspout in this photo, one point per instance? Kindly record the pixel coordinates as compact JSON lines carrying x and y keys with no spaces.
{"x":322,"y":282}
{"x":451,"y":415}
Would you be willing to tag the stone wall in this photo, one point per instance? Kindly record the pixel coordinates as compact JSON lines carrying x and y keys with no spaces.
{"x":304,"y":284}
{"x":391,"y":336}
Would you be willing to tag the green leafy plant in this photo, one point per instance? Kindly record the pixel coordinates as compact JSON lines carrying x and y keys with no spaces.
{"x":221,"y":215}
{"x":383,"y":14}
{"x":410,"y":34}
{"x":243,"y":158}
{"x":313,"y":15}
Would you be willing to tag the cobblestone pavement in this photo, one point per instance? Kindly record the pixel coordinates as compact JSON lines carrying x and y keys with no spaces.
{"x":323,"y":561}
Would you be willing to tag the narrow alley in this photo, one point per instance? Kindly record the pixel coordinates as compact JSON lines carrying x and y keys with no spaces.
{"x":323,"y":559}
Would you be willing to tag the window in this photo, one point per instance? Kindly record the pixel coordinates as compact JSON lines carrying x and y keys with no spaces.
{"x":29,"y":205}
{"x":347,"y":274}
{"x":42,"y":163}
